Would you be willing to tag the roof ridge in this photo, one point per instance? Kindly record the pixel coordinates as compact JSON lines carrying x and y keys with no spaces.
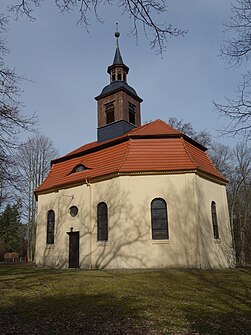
{"x":137,"y":129}
{"x":95,"y":145}
{"x":192,"y":160}
{"x":126,"y":154}
{"x":167,"y":124}
{"x":212,"y":164}
{"x":164,"y":124}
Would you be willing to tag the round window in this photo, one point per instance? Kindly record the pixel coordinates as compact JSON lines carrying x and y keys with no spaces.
{"x":73,"y":210}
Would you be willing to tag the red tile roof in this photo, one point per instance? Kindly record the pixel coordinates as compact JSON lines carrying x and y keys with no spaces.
{"x":154,"y":147}
{"x":157,"y":127}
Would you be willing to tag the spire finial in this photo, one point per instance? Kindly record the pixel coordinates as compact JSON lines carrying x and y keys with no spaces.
{"x":117,"y":34}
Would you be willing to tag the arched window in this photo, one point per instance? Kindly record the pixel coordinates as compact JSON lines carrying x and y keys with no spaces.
{"x":102,"y":222}
{"x":159,"y":219}
{"x":132,"y":113}
{"x":50,"y":227}
{"x":119,"y":75}
{"x":214,"y":220}
{"x":109,"y":109}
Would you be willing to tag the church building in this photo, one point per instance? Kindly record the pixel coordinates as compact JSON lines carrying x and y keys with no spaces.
{"x":141,"y":196}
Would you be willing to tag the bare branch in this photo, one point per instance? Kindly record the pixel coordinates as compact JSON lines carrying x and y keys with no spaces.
{"x":32,"y":165}
{"x":237,"y":48}
{"x":25,"y":7}
{"x":237,"y":111}
{"x":12,"y":121}
{"x":143,"y":12}
{"x":202,"y":137}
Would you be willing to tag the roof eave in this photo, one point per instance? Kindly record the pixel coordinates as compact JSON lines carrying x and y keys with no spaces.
{"x":99,"y":146}
{"x":117,"y":65}
{"x":201,"y":173}
{"x":117,"y":90}
{"x":212,"y":177}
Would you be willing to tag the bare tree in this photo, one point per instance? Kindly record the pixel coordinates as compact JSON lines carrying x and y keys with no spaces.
{"x":12,"y":121}
{"x":142,"y":13}
{"x":203,"y":137}
{"x":238,"y":111}
{"x":235,"y":165}
{"x":239,"y":196}
{"x":33,"y":164}
{"x":235,"y":50}
{"x":222,"y":158}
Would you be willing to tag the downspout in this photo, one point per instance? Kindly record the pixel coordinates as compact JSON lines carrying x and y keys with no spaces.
{"x":88,"y":184}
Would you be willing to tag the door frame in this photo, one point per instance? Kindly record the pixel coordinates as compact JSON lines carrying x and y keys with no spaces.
{"x":73,"y":255}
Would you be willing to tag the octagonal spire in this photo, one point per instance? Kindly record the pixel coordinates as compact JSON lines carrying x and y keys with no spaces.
{"x":118,"y":70}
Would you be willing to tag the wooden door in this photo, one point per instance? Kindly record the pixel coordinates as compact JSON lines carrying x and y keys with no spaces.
{"x":73,"y":249}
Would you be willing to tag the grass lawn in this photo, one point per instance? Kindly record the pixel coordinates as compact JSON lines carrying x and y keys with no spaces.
{"x":134,"y":302}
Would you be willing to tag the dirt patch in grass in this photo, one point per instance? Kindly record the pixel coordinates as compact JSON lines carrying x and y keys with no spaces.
{"x":185,"y":302}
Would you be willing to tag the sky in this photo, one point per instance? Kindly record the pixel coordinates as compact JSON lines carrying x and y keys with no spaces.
{"x":67,"y":67}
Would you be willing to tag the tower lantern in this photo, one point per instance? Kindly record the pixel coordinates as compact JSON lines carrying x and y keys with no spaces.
{"x":118,"y":104}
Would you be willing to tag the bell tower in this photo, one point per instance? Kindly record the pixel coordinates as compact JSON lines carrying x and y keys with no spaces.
{"x":118,"y":105}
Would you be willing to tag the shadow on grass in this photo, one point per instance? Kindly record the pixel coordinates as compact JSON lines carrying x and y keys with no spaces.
{"x":170,"y":302}
{"x":227,"y":308}
{"x":209,"y":302}
{"x":72,"y":314}
{"x":218,"y":323}
{"x":19,"y":271}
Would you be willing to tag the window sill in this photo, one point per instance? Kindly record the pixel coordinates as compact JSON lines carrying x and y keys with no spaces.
{"x":49,"y":246}
{"x":161,"y":241}
{"x":102,"y":243}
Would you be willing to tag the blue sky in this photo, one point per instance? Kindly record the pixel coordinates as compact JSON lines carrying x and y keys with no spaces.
{"x":67,"y":68}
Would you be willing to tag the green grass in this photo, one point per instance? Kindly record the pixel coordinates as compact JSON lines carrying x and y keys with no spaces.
{"x":124,"y":302}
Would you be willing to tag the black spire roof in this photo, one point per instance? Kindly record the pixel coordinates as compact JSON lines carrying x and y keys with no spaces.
{"x":118,"y":58}
{"x":118,"y":84}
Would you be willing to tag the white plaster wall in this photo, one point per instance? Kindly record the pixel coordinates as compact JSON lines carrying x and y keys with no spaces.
{"x":215,"y":253}
{"x":56,"y":255}
{"x":130,"y":241}
{"x":130,"y":244}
